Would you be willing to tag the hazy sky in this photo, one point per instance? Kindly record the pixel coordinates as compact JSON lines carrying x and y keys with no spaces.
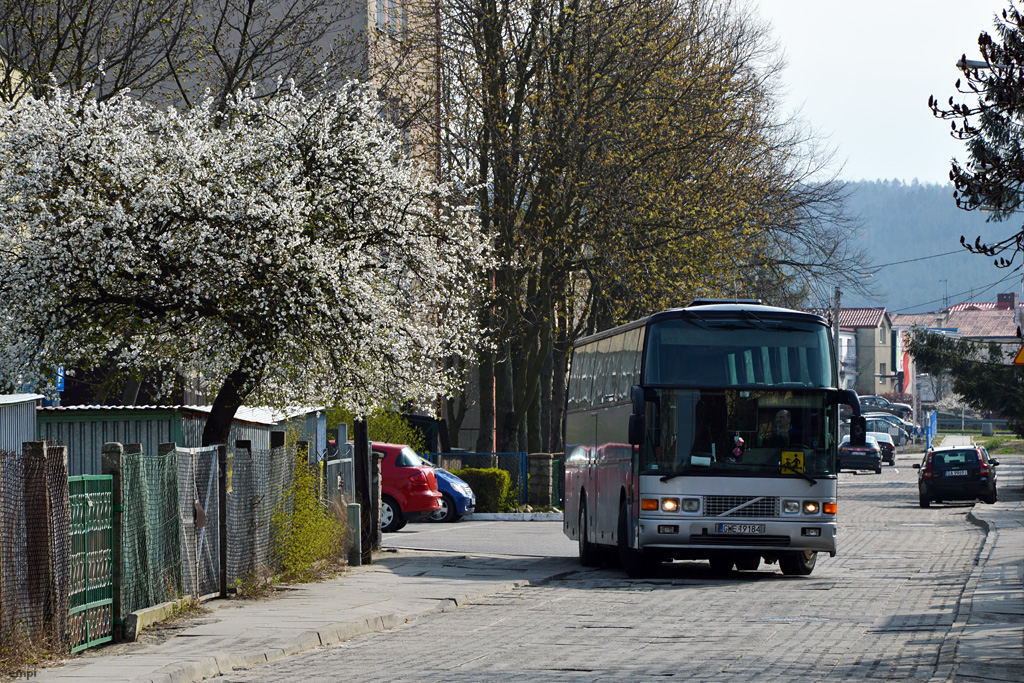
{"x":861,"y":72}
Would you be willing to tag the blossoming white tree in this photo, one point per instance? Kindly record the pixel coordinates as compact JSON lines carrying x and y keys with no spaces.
{"x":284,"y":249}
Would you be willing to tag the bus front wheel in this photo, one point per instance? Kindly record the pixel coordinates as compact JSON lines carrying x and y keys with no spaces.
{"x":634,"y":562}
{"x":800,"y":563}
{"x":588,"y":553}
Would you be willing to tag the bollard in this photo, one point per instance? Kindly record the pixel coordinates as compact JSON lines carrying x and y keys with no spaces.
{"x":355,"y":550}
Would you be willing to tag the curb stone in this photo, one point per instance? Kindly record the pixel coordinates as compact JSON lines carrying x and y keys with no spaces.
{"x":513,"y":517}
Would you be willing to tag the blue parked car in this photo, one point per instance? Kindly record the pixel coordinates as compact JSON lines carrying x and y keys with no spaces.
{"x":457,"y":498}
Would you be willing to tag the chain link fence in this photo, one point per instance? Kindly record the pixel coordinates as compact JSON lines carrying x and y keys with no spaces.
{"x":73,"y":556}
{"x":34,"y":545}
{"x":259,"y":481}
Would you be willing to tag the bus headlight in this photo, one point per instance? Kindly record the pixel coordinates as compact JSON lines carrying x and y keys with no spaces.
{"x":670,"y":504}
{"x":691,"y":504}
{"x":791,"y":507}
{"x":811,"y":507}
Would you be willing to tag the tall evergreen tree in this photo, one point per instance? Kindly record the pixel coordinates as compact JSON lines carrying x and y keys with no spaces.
{"x":993,"y":177}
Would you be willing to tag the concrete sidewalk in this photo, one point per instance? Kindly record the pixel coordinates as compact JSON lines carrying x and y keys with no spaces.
{"x":398,"y":587}
{"x":986,"y":642}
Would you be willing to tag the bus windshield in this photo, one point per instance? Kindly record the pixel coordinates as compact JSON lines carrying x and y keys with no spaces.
{"x":738,"y":432}
{"x":701,"y":351}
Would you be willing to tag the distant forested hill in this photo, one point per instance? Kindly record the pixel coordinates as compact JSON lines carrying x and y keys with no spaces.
{"x":901,"y":224}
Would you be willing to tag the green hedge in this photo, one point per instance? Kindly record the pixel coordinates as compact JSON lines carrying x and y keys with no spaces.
{"x":491,"y":486}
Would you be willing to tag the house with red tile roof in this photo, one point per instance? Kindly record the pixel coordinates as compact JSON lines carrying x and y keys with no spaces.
{"x":866,"y":365}
{"x":987,"y":321}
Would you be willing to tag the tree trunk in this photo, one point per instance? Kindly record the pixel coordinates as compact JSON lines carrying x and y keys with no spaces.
{"x":560,"y":364}
{"x":229,"y":399}
{"x":534,"y":437}
{"x":504,"y":404}
{"x":544,"y":395}
{"x":485,"y":438}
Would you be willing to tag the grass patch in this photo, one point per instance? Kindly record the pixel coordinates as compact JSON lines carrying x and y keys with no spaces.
{"x":1002,"y":444}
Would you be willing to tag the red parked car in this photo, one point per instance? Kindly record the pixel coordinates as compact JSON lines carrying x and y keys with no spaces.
{"x":408,"y":487}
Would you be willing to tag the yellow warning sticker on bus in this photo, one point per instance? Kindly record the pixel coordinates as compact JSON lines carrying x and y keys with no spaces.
{"x":793,"y":461}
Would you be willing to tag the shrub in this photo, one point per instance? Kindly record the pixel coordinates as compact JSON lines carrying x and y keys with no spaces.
{"x":491,"y":487}
{"x":384,"y":427}
{"x":307,"y":535}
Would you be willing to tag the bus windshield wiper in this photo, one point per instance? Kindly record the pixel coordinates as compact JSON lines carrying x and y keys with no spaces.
{"x":800,"y":474}
{"x":673,"y":475}
{"x":701,"y":322}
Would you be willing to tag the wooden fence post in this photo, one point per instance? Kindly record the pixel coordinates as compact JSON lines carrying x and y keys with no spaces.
{"x":113,"y":454}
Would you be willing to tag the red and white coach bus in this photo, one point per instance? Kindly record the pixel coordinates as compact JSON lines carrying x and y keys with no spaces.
{"x":707,"y":432}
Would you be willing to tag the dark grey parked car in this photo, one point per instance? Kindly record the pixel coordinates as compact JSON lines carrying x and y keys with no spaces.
{"x":866,"y":457}
{"x":956,"y":473}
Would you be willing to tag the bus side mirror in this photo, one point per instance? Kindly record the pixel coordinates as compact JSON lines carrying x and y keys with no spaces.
{"x":636,"y":420}
{"x":851,"y":399}
{"x":636,"y":429}
{"x":636,"y":397}
{"x":858,"y":430}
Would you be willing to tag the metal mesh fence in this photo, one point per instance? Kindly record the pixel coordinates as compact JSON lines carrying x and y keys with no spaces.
{"x":162,"y":526}
{"x":13,"y":561}
{"x":56,"y":535}
{"x":34,"y":545}
{"x":59,"y":540}
{"x":150,"y":530}
{"x":198,"y":511}
{"x":135,"y":584}
{"x":279,"y":468}
{"x":242,"y":500}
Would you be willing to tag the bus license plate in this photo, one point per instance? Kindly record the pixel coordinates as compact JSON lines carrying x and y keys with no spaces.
{"x":956,"y":473}
{"x":741,"y":528}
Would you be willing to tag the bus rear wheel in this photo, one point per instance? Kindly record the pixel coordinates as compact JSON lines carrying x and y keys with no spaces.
{"x":799,"y":563}
{"x":635,"y":563}
{"x":588,"y":553}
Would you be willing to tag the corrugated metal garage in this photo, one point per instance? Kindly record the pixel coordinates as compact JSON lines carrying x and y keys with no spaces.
{"x":84,"y":429}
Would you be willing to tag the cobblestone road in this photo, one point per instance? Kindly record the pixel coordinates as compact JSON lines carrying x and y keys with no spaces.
{"x":878,"y":610}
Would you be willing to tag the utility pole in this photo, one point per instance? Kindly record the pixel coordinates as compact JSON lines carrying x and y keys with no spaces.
{"x":835,"y":334}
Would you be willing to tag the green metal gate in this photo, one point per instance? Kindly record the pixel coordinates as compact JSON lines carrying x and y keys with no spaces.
{"x":92,"y":569}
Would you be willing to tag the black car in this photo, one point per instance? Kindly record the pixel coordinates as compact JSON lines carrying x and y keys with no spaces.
{"x":866,"y":457}
{"x":956,"y":473}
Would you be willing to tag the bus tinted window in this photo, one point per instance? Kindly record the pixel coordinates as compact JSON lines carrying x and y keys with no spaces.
{"x":697,"y":353}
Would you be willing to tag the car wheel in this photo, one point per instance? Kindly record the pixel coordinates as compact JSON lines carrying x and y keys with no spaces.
{"x":390,"y":515}
{"x":923,"y":501}
{"x":878,"y":470}
{"x":800,"y":563}
{"x":635,"y":563}
{"x":447,"y":512}
{"x":991,"y":498}
{"x":588,"y":553}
